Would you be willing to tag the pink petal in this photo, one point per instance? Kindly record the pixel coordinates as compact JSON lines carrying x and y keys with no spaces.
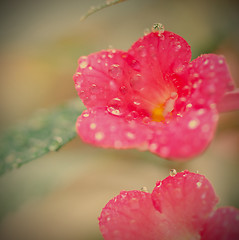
{"x":165,"y":52}
{"x":229,"y":102}
{"x":185,"y":136}
{"x":209,"y":79}
{"x":131,"y":216}
{"x":222,"y":225}
{"x":186,"y":199}
{"x":158,"y":57}
{"x":103,"y":76}
{"x":101,"y":128}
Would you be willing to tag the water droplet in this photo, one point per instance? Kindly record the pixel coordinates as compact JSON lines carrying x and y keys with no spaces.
{"x":201,"y":111}
{"x":83,"y":64}
{"x":144,"y":189}
{"x":172,"y":172}
{"x":123,"y":90}
{"x":199,"y":184}
{"x":132,"y":115}
{"x":94,"y":89}
{"x":158,"y":27}
{"x":136,"y":82}
{"x":206,"y":62}
{"x":58,"y":139}
{"x":130,"y":135}
{"x":135,"y":65}
{"x":92,"y":126}
{"x":146,"y":120}
{"x":142,"y":51}
{"x":99,"y":136}
{"x":115,"y":71}
{"x":220,"y":61}
{"x":193,"y":123}
{"x":85,"y":114}
{"x":90,"y":68}
{"x":114,"y":106}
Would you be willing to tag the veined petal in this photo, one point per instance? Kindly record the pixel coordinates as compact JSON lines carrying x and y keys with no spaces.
{"x":102,"y":128}
{"x":186,"y":199}
{"x":102,"y":76}
{"x":132,"y":216}
{"x":223,"y":224}
{"x":186,"y":136}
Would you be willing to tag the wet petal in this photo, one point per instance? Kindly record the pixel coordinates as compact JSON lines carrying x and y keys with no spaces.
{"x":102,"y":76}
{"x":185,"y":136}
{"x":158,"y":57}
{"x":130,"y":216}
{"x":209,"y":79}
{"x":222,"y":225}
{"x":186,"y":199}
{"x":106,"y":128}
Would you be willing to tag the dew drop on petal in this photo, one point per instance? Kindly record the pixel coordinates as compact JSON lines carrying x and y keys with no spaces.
{"x":83,"y":64}
{"x":130,"y":135}
{"x":115,"y":107}
{"x":153,"y":147}
{"x":172,"y":172}
{"x":136,"y":82}
{"x":92,"y":126}
{"x":193,"y":123}
{"x":132,"y":115}
{"x":99,"y":136}
{"x":123,"y":90}
{"x":115,"y":71}
{"x":199,"y":184}
{"x":146,"y":120}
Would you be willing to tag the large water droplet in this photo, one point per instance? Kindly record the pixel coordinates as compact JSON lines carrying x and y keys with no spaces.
{"x":136,"y":82}
{"x":115,"y":71}
{"x":115,"y":107}
{"x":158,"y":27}
{"x":94,"y":89}
{"x":172,"y":172}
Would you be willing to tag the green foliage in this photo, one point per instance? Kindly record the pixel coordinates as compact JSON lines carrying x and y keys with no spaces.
{"x":47,"y":130}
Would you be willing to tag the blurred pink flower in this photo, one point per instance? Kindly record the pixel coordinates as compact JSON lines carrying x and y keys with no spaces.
{"x":180,"y":207}
{"x":152,"y":97}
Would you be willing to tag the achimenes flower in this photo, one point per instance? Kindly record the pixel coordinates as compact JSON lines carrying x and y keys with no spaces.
{"x":181,"y":207}
{"x":152,"y":97}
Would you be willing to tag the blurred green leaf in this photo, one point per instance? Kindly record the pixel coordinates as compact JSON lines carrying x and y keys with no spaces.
{"x":47,"y":130}
{"x":93,"y":9}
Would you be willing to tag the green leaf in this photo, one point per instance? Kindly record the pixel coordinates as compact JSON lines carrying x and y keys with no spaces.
{"x":47,"y":130}
{"x":93,"y":9}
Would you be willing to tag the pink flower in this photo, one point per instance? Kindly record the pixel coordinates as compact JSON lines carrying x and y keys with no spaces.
{"x":180,"y":207}
{"x":152,"y":97}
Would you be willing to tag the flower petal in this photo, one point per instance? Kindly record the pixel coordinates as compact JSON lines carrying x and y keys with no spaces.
{"x":185,"y":136}
{"x":158,"y":57}
{"x":186,"y":199}
{"x":209,"y":79}
{"x":101,"y":128}
{"x":229,"y":102}
{"x":222,"y":225}
{"x":166,"y":52}
{"x":131,"y":216}
{"x":102,"y":76}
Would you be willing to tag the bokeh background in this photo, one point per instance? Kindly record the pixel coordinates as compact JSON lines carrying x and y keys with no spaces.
{"x":60,"y":195}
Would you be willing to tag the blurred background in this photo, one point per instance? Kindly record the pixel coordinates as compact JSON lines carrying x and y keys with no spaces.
{"x":60,"y":195}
